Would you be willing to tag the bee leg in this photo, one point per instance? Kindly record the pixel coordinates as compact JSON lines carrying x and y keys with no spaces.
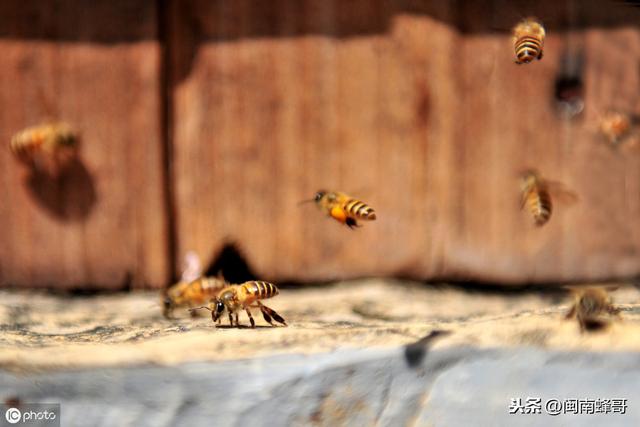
{"x":253,"y":322}
{"x":237,"y":320}
{"x":268,"y":313}
{"x":583,"y":324}
{"x":230,"y":319}
{"x":614,"y":311}
{"x":351,"y":223}
{"x":266,"y":317}
{"x":571,"y":313}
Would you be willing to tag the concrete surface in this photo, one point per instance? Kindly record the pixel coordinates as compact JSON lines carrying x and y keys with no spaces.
{"x":348,"y":358}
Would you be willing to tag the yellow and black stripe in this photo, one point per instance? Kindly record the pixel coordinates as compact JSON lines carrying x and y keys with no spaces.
{"x":540,"y":206}
{"x":527,"y":49}
{"x":262,"y":290}
{"x":25,"y":143}
{"x":359,"y":210}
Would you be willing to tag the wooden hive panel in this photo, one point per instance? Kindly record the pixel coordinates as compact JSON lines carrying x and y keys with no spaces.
{"x":95,"y":65}
{"x":418,"y":109}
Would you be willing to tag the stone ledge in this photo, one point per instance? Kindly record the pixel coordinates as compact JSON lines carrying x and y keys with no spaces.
{"x":126,"y":329}
{"x":452,"y":386}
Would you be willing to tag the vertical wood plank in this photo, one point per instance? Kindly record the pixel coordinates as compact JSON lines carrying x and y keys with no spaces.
{"x":417,"y":108}
{"x":96,"y":66}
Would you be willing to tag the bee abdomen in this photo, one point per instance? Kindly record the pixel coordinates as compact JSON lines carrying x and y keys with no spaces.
{"x":528,"y":48}
{"x":24,"y":143}
{"x":540,"y":206}
{"x":358,"y":209}
{"x":264,"y":290}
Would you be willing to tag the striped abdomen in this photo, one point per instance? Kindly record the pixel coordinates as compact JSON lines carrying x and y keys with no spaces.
{"x":47,"y":138}
{"x":261,"y":290}
{"x":590,"y":307}
{"x":539,"y":204}
{"x":527,"y":49}
{"x":25,"y":143}
{"x":359,"y":210}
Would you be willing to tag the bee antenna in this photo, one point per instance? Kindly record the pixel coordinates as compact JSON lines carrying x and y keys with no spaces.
{"x":302,"y":202}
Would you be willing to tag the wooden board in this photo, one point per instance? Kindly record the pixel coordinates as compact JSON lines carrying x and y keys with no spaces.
{"x":96,"y":65}
{"x":416,"y":108}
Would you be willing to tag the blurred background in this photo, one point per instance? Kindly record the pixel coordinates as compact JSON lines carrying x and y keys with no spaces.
{"x":204,"y":123}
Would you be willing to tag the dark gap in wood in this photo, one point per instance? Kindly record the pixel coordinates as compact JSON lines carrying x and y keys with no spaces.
{"x":164,"y":8}
{"x":232,"y":264}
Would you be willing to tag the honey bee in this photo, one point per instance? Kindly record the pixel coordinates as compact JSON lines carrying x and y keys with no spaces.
{"x":591,"y":307}
{"x":615,"y":126}
{"x":189,"y":294}
{"x":536,"y":196}
{"x":36,"y":145}
{"x":528,"y":40}
{"x":234,"y":298}
{"x":192,"y":289}
{"x":344,"y":208}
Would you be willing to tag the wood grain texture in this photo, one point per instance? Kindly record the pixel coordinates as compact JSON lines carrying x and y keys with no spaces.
{"x":415,"y":107}
{"x":418,"y":109}
{"x":103,"y":224}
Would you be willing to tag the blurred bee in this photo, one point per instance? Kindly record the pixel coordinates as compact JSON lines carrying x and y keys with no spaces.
{"x":343,"y":208}
{"x":528,"y":40}
{"x":615,"y":126}
{"x":190,"y":294}
{"x":234,"y":298}
{"x":536,"y":196}
{"x":192,"y":289}
{"x":38,"y":145}
{"x":592,"y":307}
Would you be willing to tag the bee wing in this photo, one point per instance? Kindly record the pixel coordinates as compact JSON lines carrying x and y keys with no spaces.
{"x":192,"y":267}
{"x":305,"y":201}
{"x":630,"y":142}
{"x":360,"y":193}
{"x":572,"y":289}
{"x":561,"y":192}
{"x":578,"y":289}
{"x":220,"y":276}
{"x":609,"y":287}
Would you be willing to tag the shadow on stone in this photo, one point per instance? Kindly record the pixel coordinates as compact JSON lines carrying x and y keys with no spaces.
{"x":415,"y":353}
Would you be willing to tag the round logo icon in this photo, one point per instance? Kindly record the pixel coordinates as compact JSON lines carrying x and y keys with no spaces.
{"x":13,"y":415}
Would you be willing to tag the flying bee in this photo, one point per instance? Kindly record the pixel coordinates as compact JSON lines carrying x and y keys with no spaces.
{"x":528,"y":40}
{"x":193,"y":289}
{"x":536,"y":196}
{"x":46,"y":143}
{"x":592,"y":307}
{"x":615,"y":126}
{"x":190,"y":294}
{"x":234,"y":298}
{"x":343,"y":208}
